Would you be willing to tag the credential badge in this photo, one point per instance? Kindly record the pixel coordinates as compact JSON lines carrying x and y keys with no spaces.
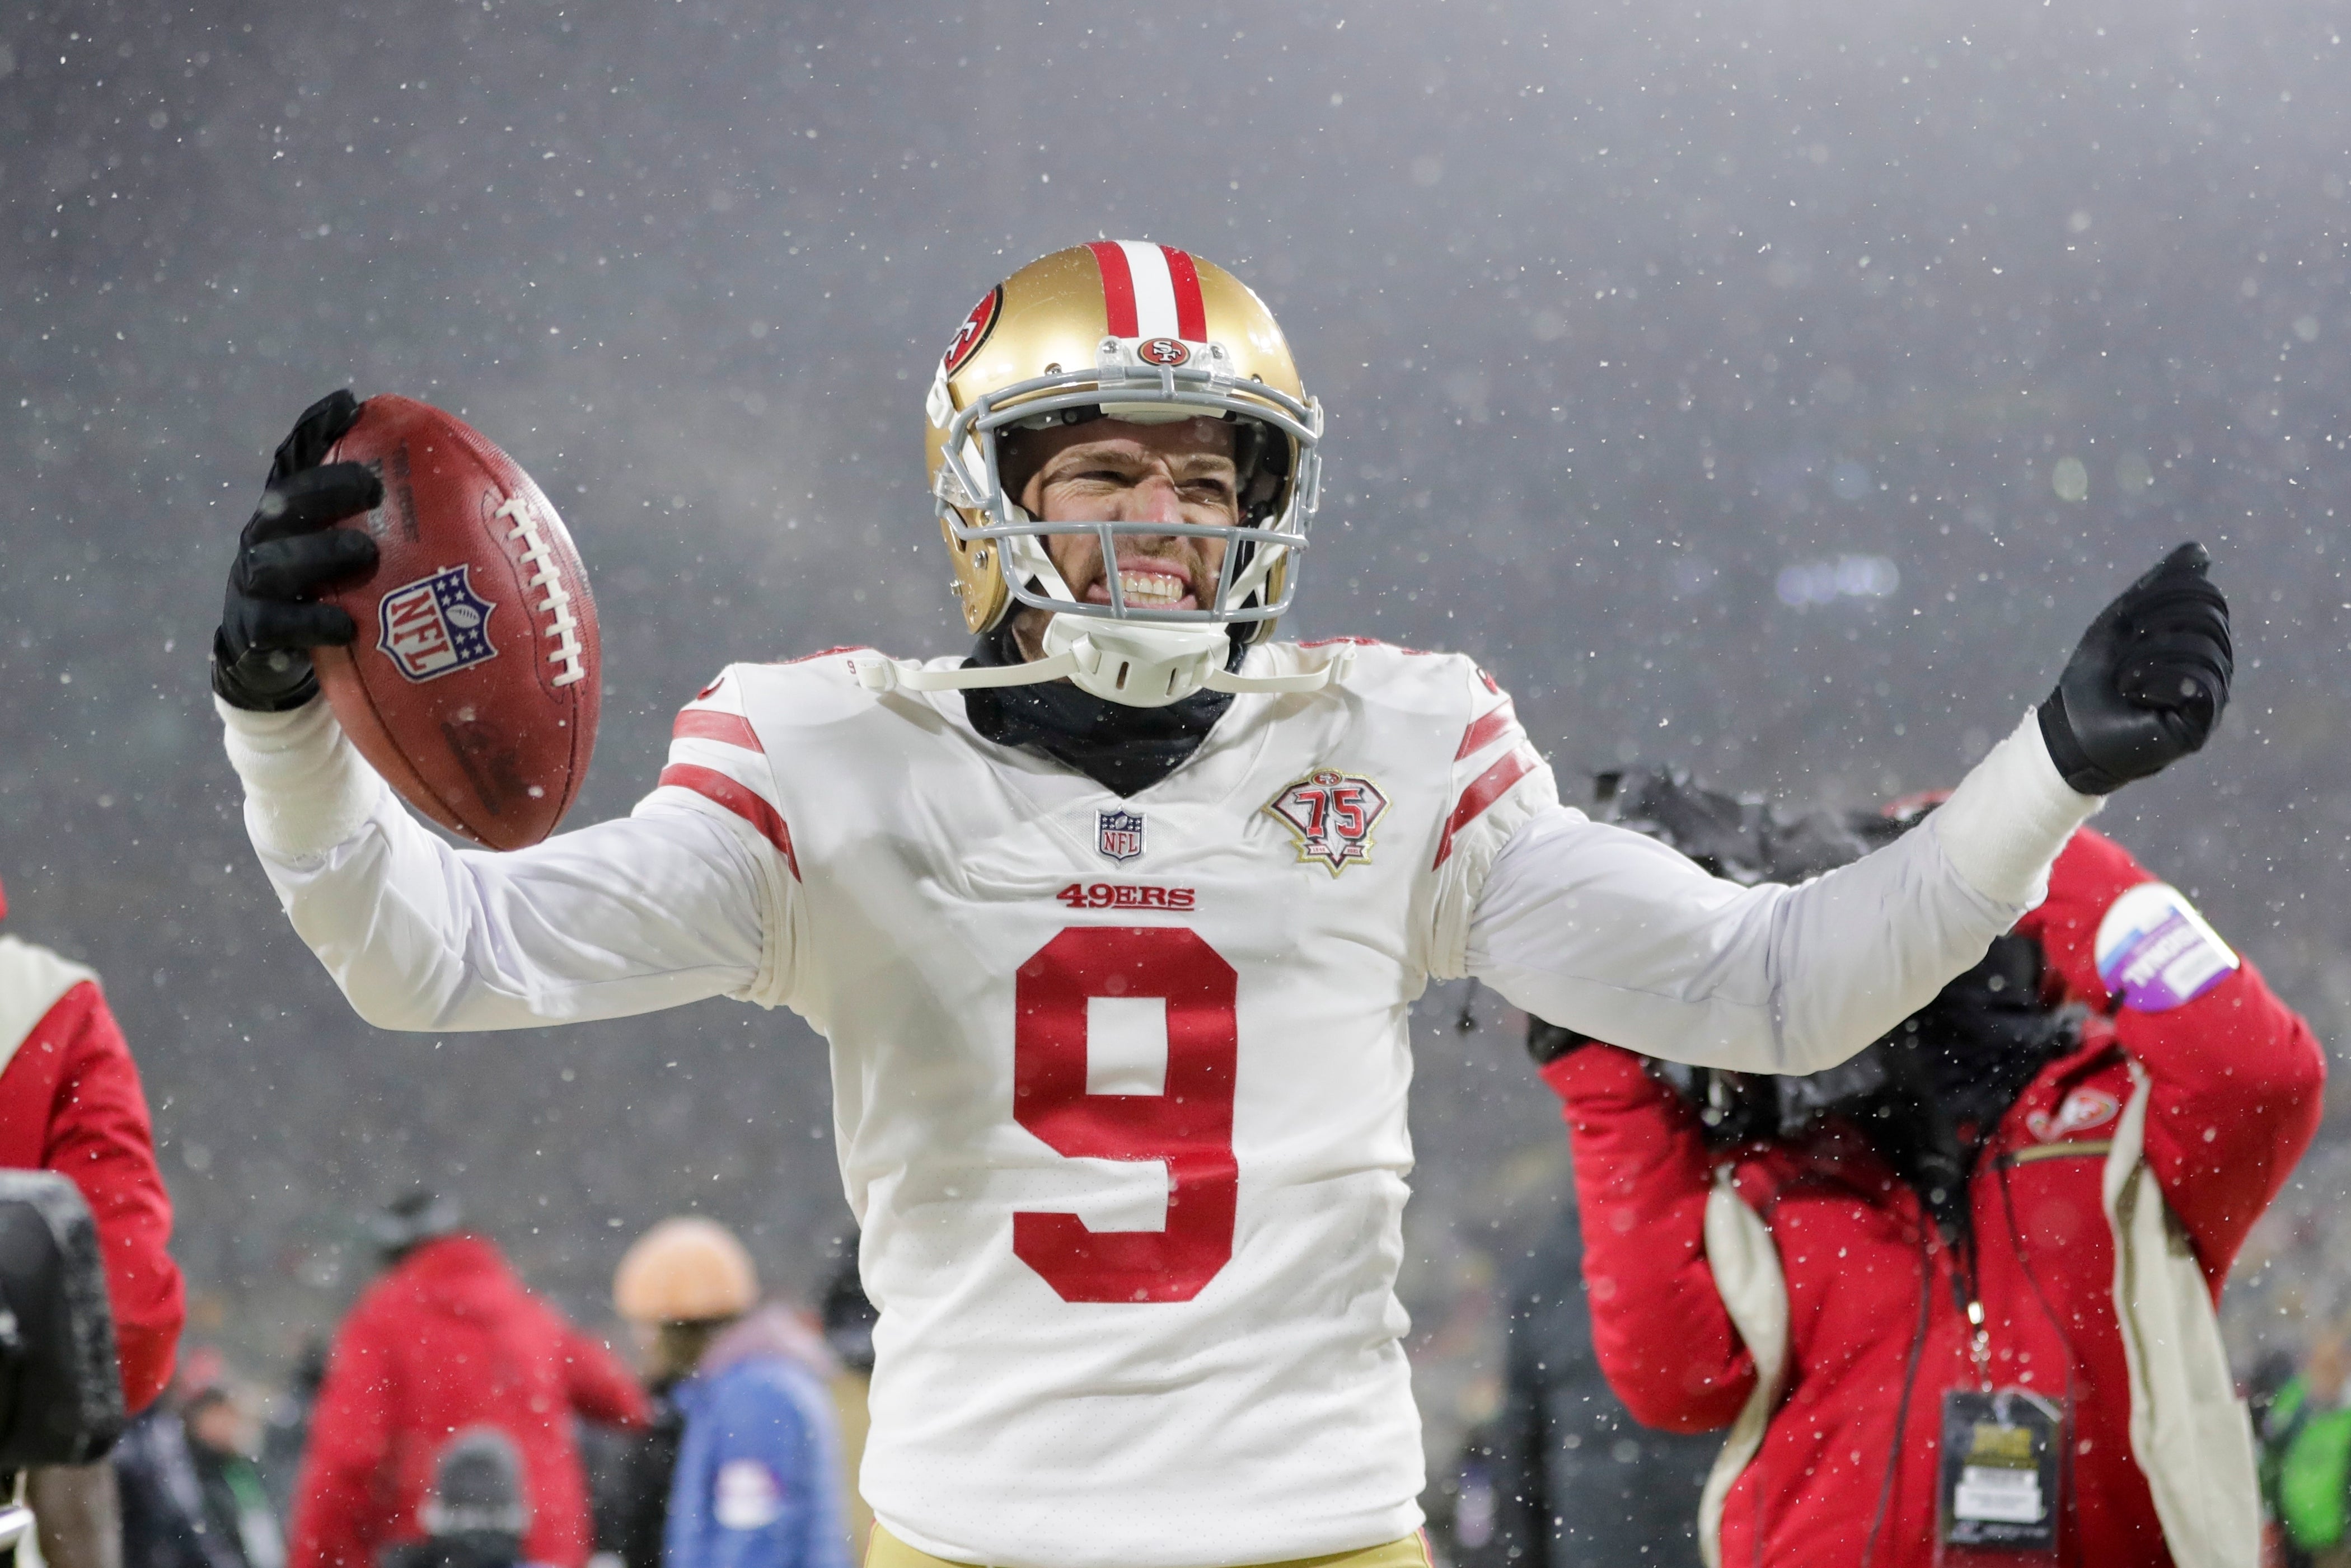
{"x":435,"y":624}
{"x":1332,"y":814}
{"x":2155,"y":951}
{"x":1119,"y":833}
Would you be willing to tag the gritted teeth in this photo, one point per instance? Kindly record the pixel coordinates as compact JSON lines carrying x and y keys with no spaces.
{"x":1158,"y":589}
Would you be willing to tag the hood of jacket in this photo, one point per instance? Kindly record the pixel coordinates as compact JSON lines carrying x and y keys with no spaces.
{"x":770,"y":1333}
{"x":463,"y":1275}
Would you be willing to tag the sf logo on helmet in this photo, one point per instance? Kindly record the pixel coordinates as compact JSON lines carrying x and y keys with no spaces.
{"x":974,"y":331}
{"x":1162,"y":351}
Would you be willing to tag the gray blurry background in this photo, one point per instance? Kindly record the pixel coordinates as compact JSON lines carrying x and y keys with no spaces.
{"x":1770,"y":388}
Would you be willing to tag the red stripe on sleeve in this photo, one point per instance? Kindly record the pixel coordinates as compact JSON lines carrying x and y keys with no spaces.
{"x":1484,"y":728}
{"x":710,"y":724}
{"x":1118,"y":286}
{"x":1191,"y":310}
{"x":1490,"y":786}
{"x":745,"y":802}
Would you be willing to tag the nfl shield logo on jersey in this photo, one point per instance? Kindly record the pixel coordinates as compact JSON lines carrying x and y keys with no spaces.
{"x":1119,"y":833}
{"x":1332,"y":814}
{"x":435,"y":624}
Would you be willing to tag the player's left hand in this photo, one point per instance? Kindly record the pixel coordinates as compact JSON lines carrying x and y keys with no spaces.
{"x":2148,"y":683}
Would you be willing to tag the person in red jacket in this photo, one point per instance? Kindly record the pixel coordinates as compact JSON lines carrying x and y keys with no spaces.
{"x":447,"y":1340}
{"x":70,"y":1101}
{"x":1962,"y":1288}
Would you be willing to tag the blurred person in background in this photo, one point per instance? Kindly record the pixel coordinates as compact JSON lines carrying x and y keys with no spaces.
{"x":754,"y":1471}
{"x":478,"y":1510}
{"x":1958,"y":1293}
{"x":849,"y":1318}
{"x":2304,"y":1426}
{"x":192,"y":1495}
{"x":162,"y":1501}
{"x":1564,"y":1477}
{"x":286,"y":1431}
{"x":611,"y":1459}
{"x":446,"y":1339}
{"x":223,"y":1428}
{"x":70,"y":1101}
{"x":669,"y":1285}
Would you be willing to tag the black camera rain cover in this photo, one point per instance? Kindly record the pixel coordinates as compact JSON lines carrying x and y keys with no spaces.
{"x":60,"y":1392}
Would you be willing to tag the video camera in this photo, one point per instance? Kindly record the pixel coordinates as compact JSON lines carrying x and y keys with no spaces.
{"x":60,"y":1392}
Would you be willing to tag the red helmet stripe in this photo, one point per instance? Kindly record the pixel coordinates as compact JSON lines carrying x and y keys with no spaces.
{"x":1191,"y":310}
{"x":1118,"y":286}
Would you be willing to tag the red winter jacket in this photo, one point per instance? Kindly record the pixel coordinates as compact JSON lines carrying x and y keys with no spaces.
{"x":447,"y":1339}
{"x":2235,"y":1080}
{"x":70,"y":1101}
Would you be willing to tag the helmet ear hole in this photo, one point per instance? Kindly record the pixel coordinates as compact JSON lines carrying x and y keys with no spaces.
{"x":1261,"y":461}
{"x":1016,"y":462}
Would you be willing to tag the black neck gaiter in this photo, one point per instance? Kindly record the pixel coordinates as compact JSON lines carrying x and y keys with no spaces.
{"x":1125,"y":750}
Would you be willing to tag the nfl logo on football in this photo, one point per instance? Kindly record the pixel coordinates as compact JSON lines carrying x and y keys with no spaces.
{"x":1119,"y":834}
{"x":435,"y":624}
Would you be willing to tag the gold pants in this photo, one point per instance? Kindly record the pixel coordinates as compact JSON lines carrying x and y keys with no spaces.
{"x":883,"y":1550}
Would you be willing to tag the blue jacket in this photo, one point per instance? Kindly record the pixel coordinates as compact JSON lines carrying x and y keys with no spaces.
{"x":757,"y":1483}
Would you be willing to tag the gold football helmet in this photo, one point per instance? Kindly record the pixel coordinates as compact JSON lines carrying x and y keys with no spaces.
{"x":1145,"y":334}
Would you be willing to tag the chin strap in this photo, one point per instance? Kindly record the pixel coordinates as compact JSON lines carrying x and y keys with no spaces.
{"x":1113,"y":663}
{"x":893,"y":674}
{"x":1334,"y":667}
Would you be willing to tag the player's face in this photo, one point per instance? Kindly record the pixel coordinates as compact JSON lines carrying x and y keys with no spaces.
{"x":1107,"y":470}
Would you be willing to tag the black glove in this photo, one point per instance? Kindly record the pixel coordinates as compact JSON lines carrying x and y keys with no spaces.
{"x":2148,"y":683}
{"x":261,"y":658}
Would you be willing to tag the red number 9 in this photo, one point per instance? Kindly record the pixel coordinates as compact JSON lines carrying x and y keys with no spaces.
{"x":1189,"y":1126}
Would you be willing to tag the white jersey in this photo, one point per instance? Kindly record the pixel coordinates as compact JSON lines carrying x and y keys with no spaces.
{"x":1120,"y":1083}
{"x":1120,"y":1090}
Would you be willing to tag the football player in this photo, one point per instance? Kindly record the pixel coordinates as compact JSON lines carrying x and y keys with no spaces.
{"x":1114,"y":926}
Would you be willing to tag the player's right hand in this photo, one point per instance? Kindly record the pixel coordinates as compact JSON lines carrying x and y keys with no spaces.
{"x":2147,"y":684}
{"x":289,"y":551}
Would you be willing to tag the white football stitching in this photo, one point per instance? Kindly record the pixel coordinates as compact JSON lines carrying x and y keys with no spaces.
{"x":566,"y":654}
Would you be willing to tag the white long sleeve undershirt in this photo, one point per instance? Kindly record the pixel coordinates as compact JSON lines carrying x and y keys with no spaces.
{"x":649,"y":911}
{"x":1615,"y":935}
{"x":1588,"y":925}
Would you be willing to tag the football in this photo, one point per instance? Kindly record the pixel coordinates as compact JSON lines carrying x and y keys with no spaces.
{"x":472,"y":684}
